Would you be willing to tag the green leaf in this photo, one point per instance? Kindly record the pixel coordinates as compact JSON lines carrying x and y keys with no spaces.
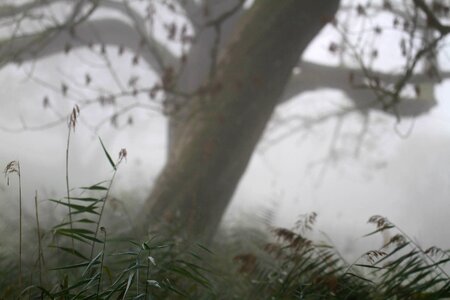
{"x":70,"y":250}
{"x":74,"y":266}
{"x":88,"y":199}
{"x":79,"y":234}
{"x":107,"y":155}
{"x":129,"y":282}
{"x":78,"y":208}
{"x":383,"y":228}
{"x":95,"y":187}
{"x":205,"y":249}
{"x":369,"y":266}
{"x":94,"y":261}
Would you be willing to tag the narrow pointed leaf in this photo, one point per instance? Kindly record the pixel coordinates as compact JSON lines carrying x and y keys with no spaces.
{"x":107,"y":155}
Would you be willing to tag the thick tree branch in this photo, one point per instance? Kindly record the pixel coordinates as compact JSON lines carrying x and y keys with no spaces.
{"x":316,"y":76}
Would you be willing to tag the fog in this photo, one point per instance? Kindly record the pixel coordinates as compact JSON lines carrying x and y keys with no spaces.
{"x":344,"y":168}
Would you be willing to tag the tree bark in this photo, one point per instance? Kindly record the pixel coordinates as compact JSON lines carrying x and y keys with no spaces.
{"x":227,"y":121}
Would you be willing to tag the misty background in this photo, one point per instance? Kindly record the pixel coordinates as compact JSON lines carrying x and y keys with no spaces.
{"x":345,"y":167}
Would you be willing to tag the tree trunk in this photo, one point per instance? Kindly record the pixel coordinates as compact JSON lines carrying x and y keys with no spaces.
{"x":226,"y":122}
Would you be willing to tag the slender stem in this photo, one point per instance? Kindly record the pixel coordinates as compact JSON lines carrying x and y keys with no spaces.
{"x":146,"y":275}
{"x":101,"y":211}
{"x":67,"y":183}
{"x":39,"y":237}
{"x":20,"y":224}
{"x":101,"y":263}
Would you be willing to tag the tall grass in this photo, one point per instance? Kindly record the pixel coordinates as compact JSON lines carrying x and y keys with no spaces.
{"x":279,"y":263}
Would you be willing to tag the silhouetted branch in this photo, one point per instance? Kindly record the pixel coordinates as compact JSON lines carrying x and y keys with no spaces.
{"x":432,"y":20}
{"x":78,"y":32}
{"x":314,"y":76}
{"x":54,"y":40}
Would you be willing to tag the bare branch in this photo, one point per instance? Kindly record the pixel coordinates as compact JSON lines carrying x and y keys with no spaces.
{"x":161,"y":55}
{"x":432,"y":20}
{"x":77,"y":32}
{"x":53,"y":40}
{"x":314,"y":76}
{"x":225,"y":15}
{"x":7,"y":11}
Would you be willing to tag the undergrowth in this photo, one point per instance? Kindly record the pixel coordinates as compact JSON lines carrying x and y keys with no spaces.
{"x":80,"y":259}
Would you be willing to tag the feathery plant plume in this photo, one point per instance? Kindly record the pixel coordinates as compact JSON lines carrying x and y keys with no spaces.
{"x":13,"y":167}
{"x":401,"y":269}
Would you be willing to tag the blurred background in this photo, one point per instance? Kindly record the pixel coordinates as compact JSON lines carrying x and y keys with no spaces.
{"x":319,"y":153}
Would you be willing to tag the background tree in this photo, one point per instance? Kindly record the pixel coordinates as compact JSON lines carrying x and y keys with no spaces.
{"x":222,"y":68}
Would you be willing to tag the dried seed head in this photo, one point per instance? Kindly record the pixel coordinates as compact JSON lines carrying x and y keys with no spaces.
{"x":380,"y":221}
{"x":248,"y":262}
{"x":435,"y":251}
{"x":11,"y":167}
{"x":123,"y":154}
{"x":373,"y":255}
{"x":284,"y":234}
{"x":397,"y":239}
{"x":74,"y":117}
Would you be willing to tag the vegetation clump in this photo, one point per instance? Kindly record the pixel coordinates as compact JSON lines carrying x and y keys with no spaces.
{"x":79,"y":258}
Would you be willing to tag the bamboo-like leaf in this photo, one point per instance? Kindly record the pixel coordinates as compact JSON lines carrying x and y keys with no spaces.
{"x":74,"y":236}
{"x":78,"y":208}
{"x":87,"y":199}
{"x":383,"y":228}
{"x":369,"y":266}
{"x":359,"y":277}
{"x":175,"y":290}
{"x":187,"y":274}
{"x":83,"y":235}
{"x":129,"y":282}
{"x":94,"y":261}
{"x":63,"y":292}
{"x":95,"y":187}
{"x":76,"y":230}
{"x":397,"y":249}
{"x":107,"y":155}
{"x":125,"y":253}
{"x":70,"y":250}
{"x":73,"y":266}
{"x":84,"y":220}
{"x":34,"y":287}
{"x":205,"y":249}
